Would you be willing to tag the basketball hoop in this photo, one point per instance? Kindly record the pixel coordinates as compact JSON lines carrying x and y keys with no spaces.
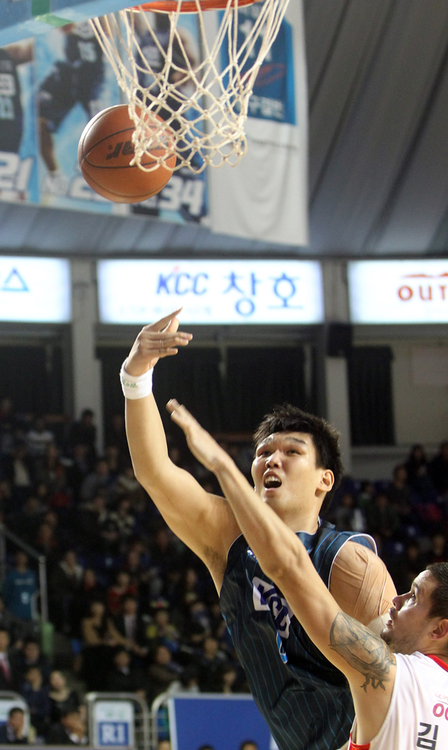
{"x":204,"y":101}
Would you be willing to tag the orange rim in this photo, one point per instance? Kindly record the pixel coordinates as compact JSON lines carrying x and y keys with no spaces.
{"x":190,"y":6}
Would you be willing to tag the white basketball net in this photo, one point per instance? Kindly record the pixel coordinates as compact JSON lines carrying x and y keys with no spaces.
{"x":204,"y":102}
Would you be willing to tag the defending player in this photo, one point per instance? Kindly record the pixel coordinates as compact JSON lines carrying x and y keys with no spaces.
{"x":303,"y":698}
{"x":399,"y":690}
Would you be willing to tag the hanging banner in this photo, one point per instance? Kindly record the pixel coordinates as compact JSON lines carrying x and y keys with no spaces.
{"x":265,"y":196}
{"x":18,"y":145}
{"x":73,"y":83}
{"x":184,"y":198}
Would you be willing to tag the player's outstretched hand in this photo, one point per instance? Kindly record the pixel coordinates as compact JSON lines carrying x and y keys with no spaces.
{"x":154,"y":341}
{"x":202,"y":445}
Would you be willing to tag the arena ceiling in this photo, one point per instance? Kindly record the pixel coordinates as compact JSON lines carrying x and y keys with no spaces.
{"x":378,"y":149}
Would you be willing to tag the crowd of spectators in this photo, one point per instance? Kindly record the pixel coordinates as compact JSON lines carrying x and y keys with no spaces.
{"x":139,"y":609}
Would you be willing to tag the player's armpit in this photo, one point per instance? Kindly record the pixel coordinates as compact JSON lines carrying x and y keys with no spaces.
{"x":361,"y":584}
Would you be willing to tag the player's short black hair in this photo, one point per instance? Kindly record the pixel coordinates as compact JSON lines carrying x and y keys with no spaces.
{"x":289,"y":418}
{"x":439,"y":595}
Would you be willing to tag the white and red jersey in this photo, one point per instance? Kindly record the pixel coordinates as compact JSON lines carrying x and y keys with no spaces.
{"x":417,"y":718}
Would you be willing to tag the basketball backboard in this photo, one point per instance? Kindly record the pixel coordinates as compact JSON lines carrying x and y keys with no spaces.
{"x":20,"y":19}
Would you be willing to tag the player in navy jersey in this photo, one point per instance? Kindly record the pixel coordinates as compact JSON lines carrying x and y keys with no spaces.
{"x":78,"y":78}
{"x":399,"y":681}
{"x":304,"y":699}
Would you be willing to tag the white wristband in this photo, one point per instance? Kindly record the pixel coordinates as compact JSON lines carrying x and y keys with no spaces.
{"x":135,"y":386}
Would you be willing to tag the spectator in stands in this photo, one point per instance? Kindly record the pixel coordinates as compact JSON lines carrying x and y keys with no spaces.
{"x":228,"y":679}
{"x":78,"y":467}
{"x":438,"y":471}
{"x":90,"y":590}
{"x":82,"y":432}
{"x":69,"y":730}
{"x":116,"y":434}
{"x":46,"y":541}
{"x":439,"y":549}
{"x":162,"y":630}
{"x":99,"y":478}
{"x":347,"y":515}
{"x":407,"y":566}
{"x":64,"y":584}
{"x":126,"y":483}
{"x":416,"y":465}
{"x":62,"y":698}
{"x":39,"y":437}
{"x":92,"y":515}
{"x":133,"y":627}
{"x":20,"y":588}
{"x":210,"y":666}
{"x":400,"y":497}
{"x":162,"y":672}
{"x":13,"y":732}
{"x":19,"y":468}
{"x":18,"y":629}
{"x":248,"y":745}
{"x":123,"y":676}
{"x":30,"y":655}
{"x":99,"y":639}
{"x":27,"y":518}
{"x":382,"y":518}
{"x":9,"y":673}
{"x":51,"y":470}
{"x":123,"y":519}
{"x":116,"y":594}
{"x":37,"y":697}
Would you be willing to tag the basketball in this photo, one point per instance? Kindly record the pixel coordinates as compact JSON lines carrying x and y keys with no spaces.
{"x":105,"y":151}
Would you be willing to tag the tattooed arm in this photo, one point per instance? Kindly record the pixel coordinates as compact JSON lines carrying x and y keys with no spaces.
{"x":364,"y":658}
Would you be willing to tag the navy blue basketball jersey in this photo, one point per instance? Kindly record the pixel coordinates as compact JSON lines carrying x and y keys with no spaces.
{"x":305,"y":700}
{"x":11,"y":116}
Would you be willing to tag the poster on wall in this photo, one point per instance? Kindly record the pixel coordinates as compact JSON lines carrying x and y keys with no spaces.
{"x":18,"y":145}
{"x":184,"y":198}
{"x":73,"y":83}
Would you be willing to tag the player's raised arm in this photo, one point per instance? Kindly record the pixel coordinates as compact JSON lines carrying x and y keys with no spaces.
{"x":203,"y":521}
{"x":362,"y":656}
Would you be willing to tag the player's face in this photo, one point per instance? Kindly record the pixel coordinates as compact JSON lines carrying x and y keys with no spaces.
{"x":409,"y":626}
{"x":285,"y":469}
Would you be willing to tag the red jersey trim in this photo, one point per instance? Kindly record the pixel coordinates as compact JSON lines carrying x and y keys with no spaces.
{"x":355,"y":746}
{"x":439,"y":662}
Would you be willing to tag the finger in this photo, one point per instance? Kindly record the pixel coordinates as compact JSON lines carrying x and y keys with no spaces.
{"x":163,"y":322}
{"x":179,"y":414}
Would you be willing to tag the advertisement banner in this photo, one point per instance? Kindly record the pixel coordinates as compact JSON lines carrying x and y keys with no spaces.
{"x":398,"y":291}
{"x":265,"y":196}
{"x":35,"y":290}
{"x":219,"y":722}
{"x":211,"y":291}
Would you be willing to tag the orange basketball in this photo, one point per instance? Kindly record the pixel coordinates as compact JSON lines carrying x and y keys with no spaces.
{"x":105,"y":150}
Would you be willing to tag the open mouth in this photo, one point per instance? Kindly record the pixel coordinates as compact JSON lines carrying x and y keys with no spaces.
{"x":271,"y":482}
